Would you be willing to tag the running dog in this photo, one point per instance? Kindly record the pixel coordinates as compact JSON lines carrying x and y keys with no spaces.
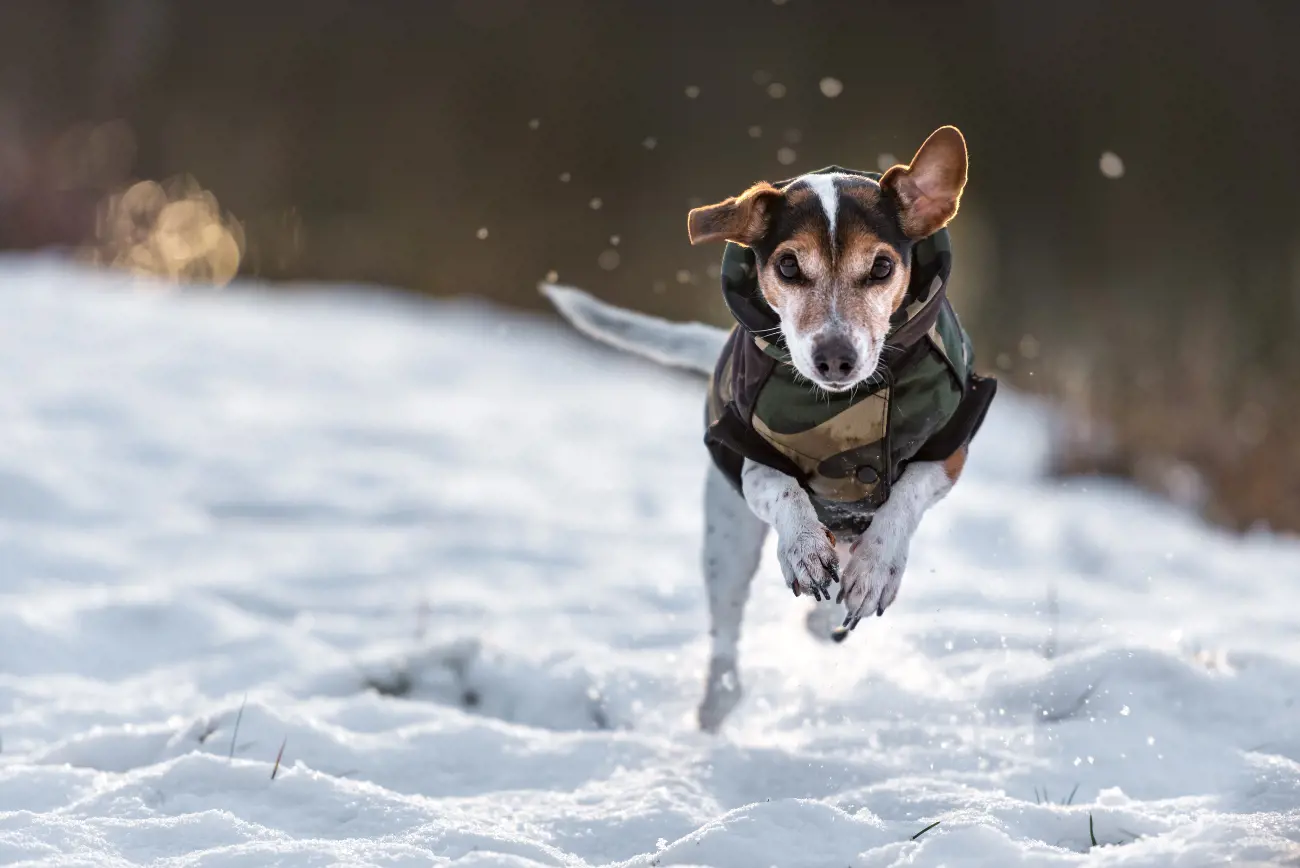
{"x":841,"y":405}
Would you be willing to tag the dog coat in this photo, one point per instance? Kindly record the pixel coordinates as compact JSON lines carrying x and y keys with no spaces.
{"x":846,"y":449}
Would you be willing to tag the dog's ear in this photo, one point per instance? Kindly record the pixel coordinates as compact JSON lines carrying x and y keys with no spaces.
{"x":928,"y":190}
{"x":742,"y":219}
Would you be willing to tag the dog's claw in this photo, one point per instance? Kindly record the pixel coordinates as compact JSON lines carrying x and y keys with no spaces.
{"x":832,"y":567}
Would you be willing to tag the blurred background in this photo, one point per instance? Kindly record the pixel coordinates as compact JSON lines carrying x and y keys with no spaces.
{"x":1129,"y":244}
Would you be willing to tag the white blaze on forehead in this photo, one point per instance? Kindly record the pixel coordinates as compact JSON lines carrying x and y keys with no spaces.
{"x":824,"y":186}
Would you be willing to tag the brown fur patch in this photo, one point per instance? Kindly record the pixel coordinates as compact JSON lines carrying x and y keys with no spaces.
{"x":954,"y":463}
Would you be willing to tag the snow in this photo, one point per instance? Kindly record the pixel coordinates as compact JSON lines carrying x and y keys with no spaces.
{"x":447,"y":556}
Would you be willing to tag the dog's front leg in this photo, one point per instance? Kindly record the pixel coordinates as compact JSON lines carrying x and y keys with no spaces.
{"x":805,"y":549}
{"x":877,"y":559}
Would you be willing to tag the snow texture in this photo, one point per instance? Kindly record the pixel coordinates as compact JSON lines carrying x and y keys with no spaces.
{"x":446,"y":557}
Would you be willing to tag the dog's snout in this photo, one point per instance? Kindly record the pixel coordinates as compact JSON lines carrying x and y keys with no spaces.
{"x":835,"y":358}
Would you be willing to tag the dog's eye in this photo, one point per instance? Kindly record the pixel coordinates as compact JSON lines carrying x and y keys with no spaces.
{"x":788,"y":266}
{"x":882,"y":268}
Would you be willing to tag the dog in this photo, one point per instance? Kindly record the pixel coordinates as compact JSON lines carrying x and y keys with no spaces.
{"x":842,"y":404}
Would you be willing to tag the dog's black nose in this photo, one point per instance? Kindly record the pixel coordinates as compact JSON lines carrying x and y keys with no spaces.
{"x":835,"y":358}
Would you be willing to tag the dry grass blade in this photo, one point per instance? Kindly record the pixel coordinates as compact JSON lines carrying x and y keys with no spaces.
{"x":234,"y":735}
{"x":926,"y":829}
{"x":279,"y":756}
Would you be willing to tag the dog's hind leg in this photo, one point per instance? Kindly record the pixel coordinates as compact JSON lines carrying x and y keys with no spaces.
{"x":733,"y":544}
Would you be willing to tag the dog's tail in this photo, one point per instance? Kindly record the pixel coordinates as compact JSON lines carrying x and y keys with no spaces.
{"x":690,"y":345}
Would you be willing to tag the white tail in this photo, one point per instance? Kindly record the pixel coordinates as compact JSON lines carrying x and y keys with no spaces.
{"x":690,"y":345}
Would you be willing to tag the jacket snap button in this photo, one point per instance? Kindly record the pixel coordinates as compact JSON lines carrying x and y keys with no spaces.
{"x":867,"y":475}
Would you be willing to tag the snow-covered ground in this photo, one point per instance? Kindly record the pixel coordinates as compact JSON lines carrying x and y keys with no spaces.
{"x":446,"y":558}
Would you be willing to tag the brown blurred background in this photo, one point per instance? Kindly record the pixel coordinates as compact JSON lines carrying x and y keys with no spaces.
{"x":1129,"y":243}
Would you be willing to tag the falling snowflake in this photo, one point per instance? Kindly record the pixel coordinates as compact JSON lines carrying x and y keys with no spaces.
{"x":1111,"y":165}
{"x":776,"y":90}
{"x":755,"y":132}
{"x":595,"y":203}
{"x":831,"y":87}
{"x":614,"y":240}
{"x":684,"y":276}
{"x":552,"y":276}
{"x":786,"y":156}
{"x":649,"y":143}
{"x":762,"y":76}
{"x":609,"y":259}
{"x":692,"y":91}
{"x":534,"y":123}
{"x":482,"y":233}
{"x":885,"y":161}
{"x":565,"y":177}
{"x":794,"y":137}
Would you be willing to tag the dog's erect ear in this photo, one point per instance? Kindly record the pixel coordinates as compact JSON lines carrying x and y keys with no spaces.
{"x":742,"y":219}
{"x":929,"y":190}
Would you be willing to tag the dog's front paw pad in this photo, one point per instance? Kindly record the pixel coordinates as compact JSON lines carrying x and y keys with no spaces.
{"x":809,"y":563}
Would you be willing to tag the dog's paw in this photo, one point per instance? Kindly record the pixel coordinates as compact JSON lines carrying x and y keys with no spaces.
{"x":871,"y":578}
{"x":808,"y":562}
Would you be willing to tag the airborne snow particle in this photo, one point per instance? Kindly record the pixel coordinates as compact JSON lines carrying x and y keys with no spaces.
{"x":595,"y":203}
{"x":1111,"y":165}
{"x":609,"y":259}
{"x":793,"y":136}
{"x":659,"y":287}
{"x":786,"y":156}
{"x":684,"y":276}
{"x":534,"y":123}
{"x":482,"y":233}
{"x":756,"y":132}
{"x":614,"y":240}
{"x":831,"y":87}
{"x":1124,"y":711}
{"x":762,"y":76}
{"x":649,"y":143}
{"x":776,"y":90}
{"x":886,"y":161}
{"x":552,"y":276}
{"x":692,"y":91}
{"x":565,"y":177}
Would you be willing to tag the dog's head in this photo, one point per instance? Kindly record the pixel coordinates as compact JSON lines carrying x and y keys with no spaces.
{"x":834,"y":252}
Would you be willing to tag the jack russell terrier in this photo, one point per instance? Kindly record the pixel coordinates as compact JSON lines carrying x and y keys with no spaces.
{"x":841,"y":405}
